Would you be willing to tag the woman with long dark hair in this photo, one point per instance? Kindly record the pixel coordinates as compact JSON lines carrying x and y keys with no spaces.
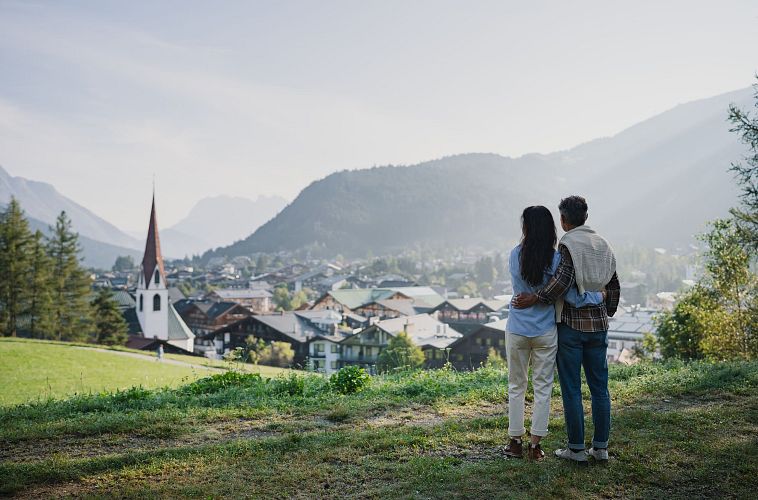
{"x":531,"y":333}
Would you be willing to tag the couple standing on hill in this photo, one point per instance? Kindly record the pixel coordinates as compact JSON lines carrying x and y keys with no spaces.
{"x":559,"y":315}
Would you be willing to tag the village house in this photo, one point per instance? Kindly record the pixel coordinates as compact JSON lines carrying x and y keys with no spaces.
{"x":295,"y":328}
{"x":466,"y":315}
{"x":388,"y":309}
{"x":204,"y":317}
{"x":344,"y":300}
{"x":433,"y":337}
{"x":257,"y":300}
{"x":626,"y":330}
{"x":471,"y":351}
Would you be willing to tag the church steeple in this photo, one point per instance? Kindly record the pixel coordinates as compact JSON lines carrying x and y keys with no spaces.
{"x":153,"y":259}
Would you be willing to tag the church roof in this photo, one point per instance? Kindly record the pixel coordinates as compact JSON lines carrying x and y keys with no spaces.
{"x":153,"y":257}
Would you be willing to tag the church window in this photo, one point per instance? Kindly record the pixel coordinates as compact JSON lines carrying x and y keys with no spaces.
{"x":156,"y":302}
{"x":141,"y":297}
{"x":157,"y":277}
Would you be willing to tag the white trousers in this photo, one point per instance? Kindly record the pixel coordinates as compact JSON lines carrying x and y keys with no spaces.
{"x":540,"y":352}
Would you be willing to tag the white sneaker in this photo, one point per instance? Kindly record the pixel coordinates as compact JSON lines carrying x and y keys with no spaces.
{"x":599,"y":455}
{"x":580,"y":457}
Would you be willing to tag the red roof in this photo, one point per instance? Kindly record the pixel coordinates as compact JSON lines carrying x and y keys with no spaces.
{"x":153,"y":257}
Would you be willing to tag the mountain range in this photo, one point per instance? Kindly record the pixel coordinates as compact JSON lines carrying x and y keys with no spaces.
{"x":207,"y":225}
{"x":656,"y":183}
{"x":218,"y":221}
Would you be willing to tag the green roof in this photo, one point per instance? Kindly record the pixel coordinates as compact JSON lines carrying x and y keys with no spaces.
{"x":177,"y":328}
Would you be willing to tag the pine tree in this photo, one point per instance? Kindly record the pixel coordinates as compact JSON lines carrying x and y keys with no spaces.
{"x":39,"y":300}
{"x":746,"y":174}
{"x":15,"y":240}
{"x":71,"y":311}
{"x":110,"y":327}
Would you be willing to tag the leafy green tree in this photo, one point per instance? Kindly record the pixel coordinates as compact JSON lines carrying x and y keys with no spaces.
{"x":110,"y":327}
{"x":400,"y":352}
{"x":281,"y":298}
{"x":298,"y":299}
{"x":728,"y":273}
{"x":71,"y":310}
{"x":39,"y":301}
{"x":278,"y":354}
{"x":15,"y":243}
{"x":469,"y":288}
{"x":746,"y":174}
{"x":254,"y":347}
{"x":123,"y":263}
{"x":681,"y":330}
{"x":647,"y":349}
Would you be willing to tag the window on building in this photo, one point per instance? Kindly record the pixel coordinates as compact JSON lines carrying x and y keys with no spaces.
{"x":156,"y":302}
{"x":611,"y":345}
{"x":489,"y":341}
{"x":319,"y":348}
{"x":333,"y":365}
{"x":141,"y":301}
{"x":335,"y":348}
{"x":157,"y":277}
{"x":501,"y":342}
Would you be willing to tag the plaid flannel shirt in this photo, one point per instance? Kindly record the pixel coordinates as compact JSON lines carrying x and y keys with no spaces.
{"x":586,"y":319}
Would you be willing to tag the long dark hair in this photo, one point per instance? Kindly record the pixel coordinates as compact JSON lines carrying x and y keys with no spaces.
{"x":538,"y":241}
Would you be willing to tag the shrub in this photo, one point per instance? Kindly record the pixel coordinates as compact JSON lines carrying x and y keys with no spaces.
{"x":218,"y":382}
{"x":292,"y":384}
{"x":349,"y":380}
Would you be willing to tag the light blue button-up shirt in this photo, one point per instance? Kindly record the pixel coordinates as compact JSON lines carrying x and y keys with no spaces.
{"x":540,"y":318}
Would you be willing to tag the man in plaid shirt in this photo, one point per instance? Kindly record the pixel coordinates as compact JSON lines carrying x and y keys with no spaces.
{"x":582,"y":341}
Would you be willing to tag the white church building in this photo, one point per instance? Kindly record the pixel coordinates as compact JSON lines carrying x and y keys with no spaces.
{"x":157,"y":317}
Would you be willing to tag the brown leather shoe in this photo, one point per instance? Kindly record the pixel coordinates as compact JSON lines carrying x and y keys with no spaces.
{"x":535,"y":453}
{"x":514,"y":449}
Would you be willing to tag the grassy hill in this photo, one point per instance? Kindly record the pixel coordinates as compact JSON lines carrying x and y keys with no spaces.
{"x":32,"y":370}
{"x":679,"y":431}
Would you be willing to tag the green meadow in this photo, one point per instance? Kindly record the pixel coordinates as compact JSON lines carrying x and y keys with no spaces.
{"x":36,"y":370}
{"x":679,"y":431}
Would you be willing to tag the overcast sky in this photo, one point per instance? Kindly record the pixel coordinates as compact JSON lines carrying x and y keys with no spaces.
{"x":249,"y":98}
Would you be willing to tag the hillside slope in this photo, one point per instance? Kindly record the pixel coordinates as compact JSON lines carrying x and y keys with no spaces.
{"x":43,"y":202}
{"x":679,"y":431}
{"x":656,"y":184}
{"x":94,"y":253}
{"x":218,"y":221}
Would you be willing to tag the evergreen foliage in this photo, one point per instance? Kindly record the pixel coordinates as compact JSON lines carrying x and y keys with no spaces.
{"x":40,"y":301}
{"x":71,"y":311}
{"x":110,"y":327}
{"x":15,"y":242}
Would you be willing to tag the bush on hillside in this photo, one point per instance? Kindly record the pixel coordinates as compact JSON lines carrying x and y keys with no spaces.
{"x":349,"y":380}
{"x":221,"y":381}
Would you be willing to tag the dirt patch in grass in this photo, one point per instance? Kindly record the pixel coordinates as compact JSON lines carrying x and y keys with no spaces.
{"x":427,"y":416}
{"x":116,"y":444}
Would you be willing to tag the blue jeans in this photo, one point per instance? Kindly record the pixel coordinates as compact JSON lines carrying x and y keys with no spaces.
{"x":588,"y":349}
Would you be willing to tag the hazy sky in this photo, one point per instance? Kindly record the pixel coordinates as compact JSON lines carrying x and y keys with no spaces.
{"x":248,"y":98}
